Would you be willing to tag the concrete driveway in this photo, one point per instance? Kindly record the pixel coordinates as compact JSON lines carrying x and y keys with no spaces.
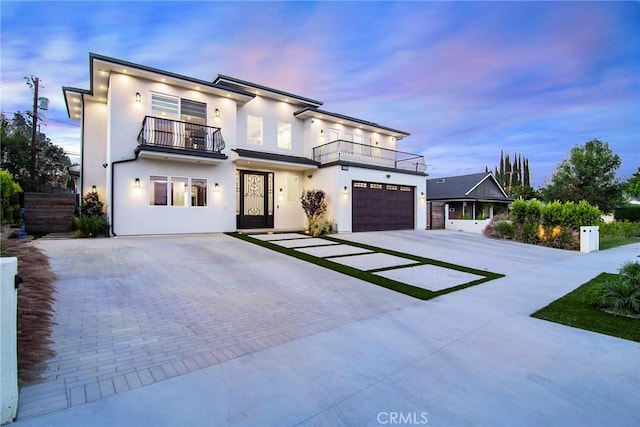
{"x":210,"y":330}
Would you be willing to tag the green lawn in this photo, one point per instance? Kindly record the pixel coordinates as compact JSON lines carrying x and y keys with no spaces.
{"x":572,"y":310}
{"x":617,"y":241}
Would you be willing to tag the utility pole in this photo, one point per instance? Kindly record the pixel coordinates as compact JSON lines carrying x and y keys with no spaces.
{"x":35,"y":132}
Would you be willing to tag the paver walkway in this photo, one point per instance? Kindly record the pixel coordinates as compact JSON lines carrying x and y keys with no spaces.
{"x":134,"y":311}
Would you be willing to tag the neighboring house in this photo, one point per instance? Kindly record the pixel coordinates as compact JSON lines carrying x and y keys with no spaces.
{"x":465,"y":202}
{"x":169,"y":153}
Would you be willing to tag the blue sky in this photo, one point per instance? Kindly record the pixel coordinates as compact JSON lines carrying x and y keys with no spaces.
{"x":466,"y":79}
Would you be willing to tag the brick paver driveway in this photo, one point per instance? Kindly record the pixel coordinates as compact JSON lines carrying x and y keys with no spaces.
{"x":138,"y":310}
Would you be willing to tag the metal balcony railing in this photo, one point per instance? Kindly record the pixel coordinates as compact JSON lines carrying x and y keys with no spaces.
{"x":173,"y":134}
{"x":348,"y":151}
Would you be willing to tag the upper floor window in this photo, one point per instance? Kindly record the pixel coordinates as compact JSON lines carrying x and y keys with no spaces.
{"x":193,"y":112}
{"x":284,"y":135}
{"x":165,"y":106}
{"x":254,"y":130}
{"x":175,"y":108}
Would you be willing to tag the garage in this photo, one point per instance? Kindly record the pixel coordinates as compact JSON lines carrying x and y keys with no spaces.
{"x":377,"y":206}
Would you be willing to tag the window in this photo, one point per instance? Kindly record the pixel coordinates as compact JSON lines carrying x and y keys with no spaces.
{"x":254,"y":130}
{"x":284,"y":135}
{"x":164,"y":106}
{"x":198,"y":192}
{"x":193,"y":112}
{"x":179,"y":192}
{"x":158,"y":190}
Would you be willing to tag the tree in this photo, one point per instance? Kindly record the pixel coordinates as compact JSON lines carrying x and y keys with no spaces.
{"x":632,"y":186}
{"x":514,"y":177}
{"x":15,"y":155}
{"x":314,"y":206}
{"x":7,"y":189}
{"x":589,"y":173}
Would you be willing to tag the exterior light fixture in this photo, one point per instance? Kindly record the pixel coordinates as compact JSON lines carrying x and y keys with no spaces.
{"x":137,"y":183}
{"x":217,"y":115}
{"x":345,"y":190}
{"x":94,"y":189}
{"x":422,"y":195}
{"x":138,"y":98}
{"x":280,"y":193}
{"x":321,"y":135}
{"x":216,"y":187}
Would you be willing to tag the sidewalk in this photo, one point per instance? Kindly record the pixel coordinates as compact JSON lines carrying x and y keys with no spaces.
{"x":473,"y":357}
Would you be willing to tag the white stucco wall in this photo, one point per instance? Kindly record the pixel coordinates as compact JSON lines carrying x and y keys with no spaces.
{"x":134,"y":215}
{"x":271,"y":112}
{"x":94,"y":148}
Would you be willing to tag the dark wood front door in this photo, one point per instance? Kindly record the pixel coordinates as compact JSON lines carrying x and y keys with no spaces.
{"x":255,"y":199}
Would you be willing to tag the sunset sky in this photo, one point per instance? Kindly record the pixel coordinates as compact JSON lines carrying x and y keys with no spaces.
{"x":466,"y":79}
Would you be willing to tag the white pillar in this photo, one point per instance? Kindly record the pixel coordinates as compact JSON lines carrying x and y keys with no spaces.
{"x":8,"y":340}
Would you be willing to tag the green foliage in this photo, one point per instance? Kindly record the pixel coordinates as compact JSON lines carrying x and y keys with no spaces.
{"x":620,"y":294}
{"x":588,"y":174}
{"x":8,"y":188}
{"x":15,"y":155}
{"x":632,"y":186}
{"x":617,"y":229}
{"x":514,"y":176}
{"x":573,"y":310}
{"x":629,"y":212}
{"x":518,"y":210}
{"x":314,"y":206}
{"x":554,"y":224}
{"x":89,"y":226}
{"x":91,"y":205}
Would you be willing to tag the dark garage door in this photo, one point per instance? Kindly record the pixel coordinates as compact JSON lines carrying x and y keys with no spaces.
{"x":379,"y":207}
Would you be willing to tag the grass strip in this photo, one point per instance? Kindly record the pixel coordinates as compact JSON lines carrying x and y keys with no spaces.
{"x":414,"y":291}
{"x":573,"y":310}
{"x":615,"y":242}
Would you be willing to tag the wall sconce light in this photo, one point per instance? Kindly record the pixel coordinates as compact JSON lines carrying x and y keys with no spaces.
{"x":321,"y":135}
{"x":138,"y":97}
{"x":137,"y":183}
{"x":422,"y":195}
{"x":94,"y":189}
{"x":217,"y":115}
{"x":345,"y":190}
{"x":216,"y":187}
{"x":310,"y":176}
{"x":388,"y":176}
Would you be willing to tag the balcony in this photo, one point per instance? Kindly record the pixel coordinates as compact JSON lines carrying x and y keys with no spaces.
{"x":171,"y":139}
{"x":347,"y":152}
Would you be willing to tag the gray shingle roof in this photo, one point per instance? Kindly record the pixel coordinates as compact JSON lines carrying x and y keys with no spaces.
{"x":459,"y":187}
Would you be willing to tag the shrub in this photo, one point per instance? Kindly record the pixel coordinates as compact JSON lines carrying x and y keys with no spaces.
{"x":552,"y":214}
{"x":619,"y":229}
{"x":629,"y":213}
{"x":586,"y":215}
{"x":91,"y":205}
{"x":518,"y":211}
{"x":90,"y":226}
{"x":8,"y":188}
{"x":620,"y":295}
{"x":314,"y":206}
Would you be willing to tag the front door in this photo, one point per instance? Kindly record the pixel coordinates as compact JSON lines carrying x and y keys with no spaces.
{"x":254,"y":193}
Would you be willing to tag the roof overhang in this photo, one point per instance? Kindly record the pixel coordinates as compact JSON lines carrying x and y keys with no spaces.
{"x":316,"y":113}
{"x":258,"y":159}
{"x":102,"y":67}
{"x":265,"y":91}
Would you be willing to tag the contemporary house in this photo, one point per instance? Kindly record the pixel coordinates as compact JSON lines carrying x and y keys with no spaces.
{"x":465,"y":202}
{"x":168,"y":153}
